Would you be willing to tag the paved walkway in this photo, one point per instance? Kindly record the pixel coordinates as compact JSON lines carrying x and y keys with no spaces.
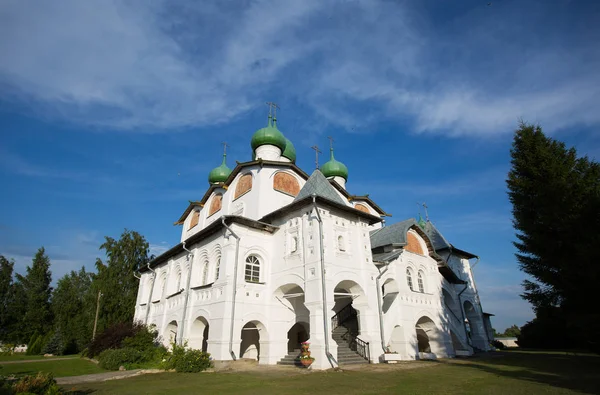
{"x":37,"y":360}
{"x":91,"y":378}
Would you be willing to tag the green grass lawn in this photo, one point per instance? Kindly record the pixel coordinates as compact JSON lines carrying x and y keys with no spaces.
{"x":67,"y":367}
{"x":510,"y":372}
{"x":23,"y":357}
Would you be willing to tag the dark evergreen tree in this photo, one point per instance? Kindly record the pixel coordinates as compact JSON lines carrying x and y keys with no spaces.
{"x":6,"y":297}
{"x":115,"y":279}
{"x":37,"y":316}
{"x":74,"y":306}
{"x":556,"y":212}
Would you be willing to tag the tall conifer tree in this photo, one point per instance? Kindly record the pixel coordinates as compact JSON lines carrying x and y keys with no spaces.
{"x":556,"y":212}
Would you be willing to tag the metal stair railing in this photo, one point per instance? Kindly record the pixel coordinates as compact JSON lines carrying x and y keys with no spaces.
{"x":361,"y":347}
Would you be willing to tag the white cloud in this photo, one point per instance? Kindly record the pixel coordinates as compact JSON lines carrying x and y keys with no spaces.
{"x":157,"y":65}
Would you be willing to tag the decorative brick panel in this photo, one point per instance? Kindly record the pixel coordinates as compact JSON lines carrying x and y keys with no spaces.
{"x":195,"y":219}
{"x":363,"y":208}
{"x":215,"y":204}
{"x":286,"y":183}
{"x":413,"y":244}
{"x":244,"y":185}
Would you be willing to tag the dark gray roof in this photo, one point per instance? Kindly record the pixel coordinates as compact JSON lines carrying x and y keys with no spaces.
{"x":392,"y":234}
{"x":386,"y":257}
{"x":318,"y":185}
{"x":437,"y":240}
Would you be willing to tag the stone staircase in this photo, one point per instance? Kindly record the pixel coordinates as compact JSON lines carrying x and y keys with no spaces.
{"x":346,"y":356}
{"x":291,"y":359}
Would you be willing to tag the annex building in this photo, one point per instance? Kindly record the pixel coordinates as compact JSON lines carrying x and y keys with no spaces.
{"x":272,"y":256}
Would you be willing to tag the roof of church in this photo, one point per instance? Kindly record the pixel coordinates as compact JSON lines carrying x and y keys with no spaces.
{"x":318,"y":185}
{"x":386,"y":257}
{"x":439,"y":242}
{"x":207,"y":231}
{"x":392,"y":234}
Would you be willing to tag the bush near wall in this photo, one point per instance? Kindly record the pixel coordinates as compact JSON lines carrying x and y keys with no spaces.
{"x":185,"y":360}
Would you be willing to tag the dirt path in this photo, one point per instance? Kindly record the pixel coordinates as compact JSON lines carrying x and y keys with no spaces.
{"x":37,"y":360}
{"x":92,"y":378}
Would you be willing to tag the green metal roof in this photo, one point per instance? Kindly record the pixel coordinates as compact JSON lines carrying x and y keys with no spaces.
{"x":289,"y":151}
{"x":334,"y":168}
{"x":268,"y":136}
{"x":219,"y":174}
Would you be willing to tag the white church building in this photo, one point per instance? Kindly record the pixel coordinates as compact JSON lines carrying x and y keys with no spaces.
{"x":272,"y":256}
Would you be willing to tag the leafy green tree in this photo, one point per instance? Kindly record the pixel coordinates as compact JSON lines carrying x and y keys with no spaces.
{"x":6,"y":296}
{"x":115,"y":278}
{"x":513,"y":331}
{"x":37,"y":316}
{"x":556,"y":211}
{"x":73,"y":305}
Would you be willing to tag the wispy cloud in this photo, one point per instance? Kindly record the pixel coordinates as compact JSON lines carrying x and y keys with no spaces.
{"x":158,"y":65}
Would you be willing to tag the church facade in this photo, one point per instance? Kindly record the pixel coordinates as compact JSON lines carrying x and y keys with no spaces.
{"x":272,"y":256}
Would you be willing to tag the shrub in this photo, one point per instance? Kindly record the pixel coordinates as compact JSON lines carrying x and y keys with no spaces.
{"x":113,"y":359}
{"x":112,"y":337}
{"x":42,"y":383}
{"x":185,"y":360}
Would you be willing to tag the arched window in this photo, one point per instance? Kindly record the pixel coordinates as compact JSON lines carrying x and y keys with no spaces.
{"x":340,"y":242}
{"x":252,"y":269}
{"x":217,"y":268}
{"x":178,"y":282}
{"x":163,"y":284}
{"x":195,"y":219}
{"x":286,"y":183}
{"x":293,"y":244}
{"x":244,"y":185}
{"x":409,"y":279}
{"x":204,"y":273}
{"x":215,"y":204}
{"x":420,"y":282}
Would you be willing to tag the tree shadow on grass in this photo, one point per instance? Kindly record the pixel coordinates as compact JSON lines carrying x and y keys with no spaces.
{"x":575,"y":372}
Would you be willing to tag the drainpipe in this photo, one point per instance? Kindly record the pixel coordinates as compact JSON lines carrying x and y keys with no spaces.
{"x":150,"y":294}
{"x":234,"y":291}
{"x":381,"y":273}
{"x":187,"y":294}
{"x":330,"y":357}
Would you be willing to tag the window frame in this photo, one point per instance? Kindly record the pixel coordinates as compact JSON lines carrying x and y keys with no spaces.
{"x":409,"y":279}
{"x":421,"y":281}
{"x":252,"y":270}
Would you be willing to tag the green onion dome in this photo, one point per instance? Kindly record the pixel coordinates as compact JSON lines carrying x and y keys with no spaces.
{"x":289,"y":151}
{"x":333,"y":168}
{"x":269,"y":136}
{"x":219,"y":174}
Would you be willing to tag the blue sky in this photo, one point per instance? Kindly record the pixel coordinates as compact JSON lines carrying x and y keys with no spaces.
{"x":112,"y":113}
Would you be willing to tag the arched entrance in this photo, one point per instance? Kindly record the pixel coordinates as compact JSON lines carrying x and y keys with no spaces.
{"x":297,"y":334}
{"x":430,"y":342}
{"x":251,"y":335}
{"x":294,"y":317}
{"x":346,"y":323}
{"x":170,"y":334}
{"x":198,"y":338}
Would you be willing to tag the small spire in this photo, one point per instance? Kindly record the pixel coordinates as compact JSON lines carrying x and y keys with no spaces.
{"x":225,"y":145}
{"x":272,"y":113}
{"x":317,"y":152}
{"x":330,"y":147}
